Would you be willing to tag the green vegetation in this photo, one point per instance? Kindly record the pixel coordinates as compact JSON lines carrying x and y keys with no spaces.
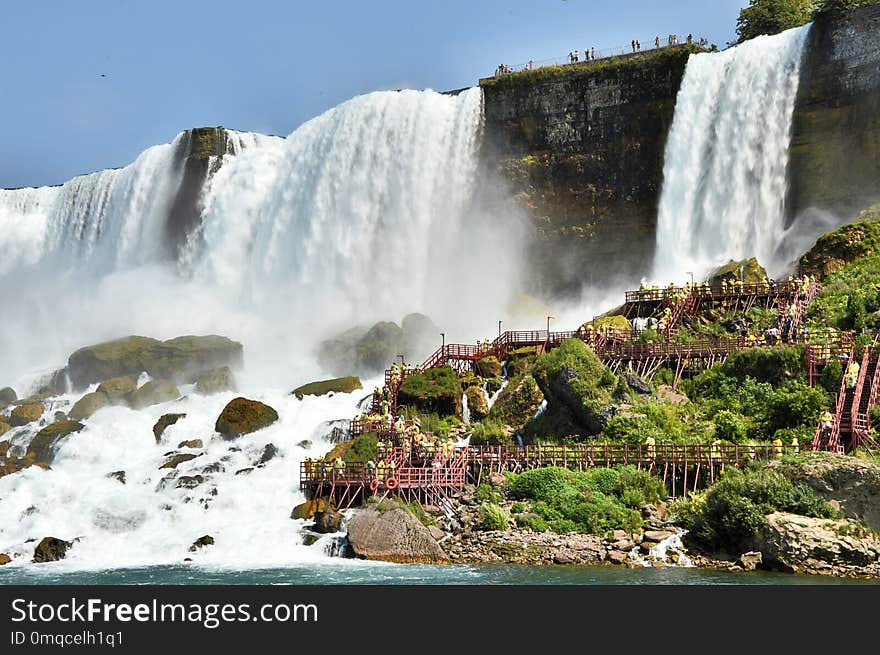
{"x":773,"y":16}
{"x":850,"y":298}
{"x":838,"y":6}
{"x":493,"y":517}
{"x":594,"y":383}
{"x":601,"y":69}
{"x":361,"y":449}
{"x":593,"y":501}
{"x":490,"y":432}
{"x":437,"y":390}
{"x":729,"y":514}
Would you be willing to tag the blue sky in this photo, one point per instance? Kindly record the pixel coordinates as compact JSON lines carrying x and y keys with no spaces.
{"x":269,"y":65}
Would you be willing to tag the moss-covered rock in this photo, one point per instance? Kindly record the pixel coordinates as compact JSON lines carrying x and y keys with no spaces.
{"x":216,"y":380}
{"x":309,"y":508}
{"x":108,"y":360}
{"x":436,"y":391}
{"x":323,"y":387}
{"x":88,"y":405}
{"x":615,"y":322}
{"x":26,"y":413}
{"x":164,"y":421}
{"x":517,"y":403}
{"x":4,"y":428}
{"x":489,"y":367}
{"x":154,"y":392}
{"x":477,"y":405}
{"x":243,"y":416}
{"x":183,"y":358}
{"x":118,"y":389}
{"x":574,"y":378}
{"x":834,"y":250}
{"x":752,"y":272}
{"x":176,"y":460}
{"x":42,"y":446}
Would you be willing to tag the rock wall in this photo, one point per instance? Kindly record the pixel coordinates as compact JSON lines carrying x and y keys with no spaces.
{"x":582,"y":149}
{"x":835,"y":149}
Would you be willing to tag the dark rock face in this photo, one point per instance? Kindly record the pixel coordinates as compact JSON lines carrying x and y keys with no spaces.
{"x":7,"y":396}
{"x":836,"y":131}
{"x":117,"y":389}
{"x":51,"y":549}
{"x":583,"y":153}
{"x":107,"y":360}
{"x":243,"y":416}
{"x":88,"y":405}
{"x":42,"y":446}
{"x":164,"y":421}
{"x":201,"y":542}
{"x":270,"y":451}
{"x":393,"y":536}
{"x":154,"y":392}
{"x":327,"y":522}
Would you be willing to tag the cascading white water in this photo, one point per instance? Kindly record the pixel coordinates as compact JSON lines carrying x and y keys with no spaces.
{"x":724,"y":175}
{"x":362,"y":213}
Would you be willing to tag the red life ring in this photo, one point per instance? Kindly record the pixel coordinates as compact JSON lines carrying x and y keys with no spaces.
{"x":374,"y":484}
{"x":391,"y":483}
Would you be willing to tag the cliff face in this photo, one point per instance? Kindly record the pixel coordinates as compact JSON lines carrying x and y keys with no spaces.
{"x":582,"y":148}
{"x":835,"y":148}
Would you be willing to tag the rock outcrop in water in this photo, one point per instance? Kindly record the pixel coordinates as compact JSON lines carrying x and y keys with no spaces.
{"x":243,"y":416}
{"x":42,"y":446}
{"x":391,"y":533}
{"x":324,"y":387}
{"x":51,"y":549}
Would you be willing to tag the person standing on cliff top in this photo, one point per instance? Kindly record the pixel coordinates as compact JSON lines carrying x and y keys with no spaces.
{"x":633,"y":43}
{"x":593,"y":54}
{"x":657,"y":41}
{"x":638,"y":45}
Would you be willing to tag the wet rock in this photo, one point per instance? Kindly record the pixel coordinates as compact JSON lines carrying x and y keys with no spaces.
{"x":26,"y":413}
{"x":656,"y":536}
{"x":59,"y":416}
{"x":269,"y":453}
{"x":183,"y":358}
{"x":747,"y":270}
{"x":246,"y":471}
{"x":189,"y":481}
{"x":477,"y":404}
{"x":216,"y":467}
{"x":4,"y":427}
{"x":618,"y":557}
{"x":42,"y":446}
{"x":214,"y":381}
{"x":4,"y":559}
{"x":517,"y":403}
{"x":309,"y":539}
{"x":88,"y":405}
{"x":118,"y":389}
{"x":117,"y":475}
{"x":154,"y":392}
{"x":192,"y":443}
{"x":563,"y":558}
{"x":164,"y":421}
{"x":309,"y":508}
{"x":436,"y":532}
{"x":327,"y":522}
{"x":7,"y":396}
{"x":201,"y":542}
{"x":394,"y":535}
{"x":108,"y":360}
{"x":177,"y":460}
{"x":324,"y":387}
{"x":305,"y":444}
{"x":489,"y":367}
{"x":244,"y":416}
{"x":51,"y":549}
{"x":749,"y":561}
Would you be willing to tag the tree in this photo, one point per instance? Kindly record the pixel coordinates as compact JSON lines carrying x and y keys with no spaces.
{"x":773,"y":16}
{"x":835,"y":6}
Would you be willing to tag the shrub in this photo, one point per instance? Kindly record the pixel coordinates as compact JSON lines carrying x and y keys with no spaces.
{"x":544,"y":484}
{"x":605,"y":480}
{"x":362,"y":448}
{"x":563,"y":526}
{"x":535,"y":523}
{"x":492,"y":517}
{"x":832,"y":376}
{"x":489,"y":432}
{"x":518,"y":508}
{"x":730,"y":427}
{"x":486,"y":493}
{"x":631,"y":479}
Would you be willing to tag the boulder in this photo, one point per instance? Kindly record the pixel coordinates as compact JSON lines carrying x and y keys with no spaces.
{"x":324,"y":387}
{"x":119,"y":476}
{"x":309,"y":508}
{"x":164,"y":421}
{"x":836,"y":249}
{"x":215,"y":467}
{"x":201,"y":542}
{"x":108,"y":360}
{"x":88,"y":405}
{"x":477,"y":404}
{"x":216,"y":380}
{"x":177,"y":460}
{"x":189,"y":481}
{"x":245,"y":471}
{"x":656,"y":536}
{"x":749,"y":561}
{"x":489,"y":367}
{"x":436,"y":391}
{"x":748,"y":270}
{"x":243,"y":416}
{"x":42,"y":446}
{"x":851,"y":485}
{"x":51,"y":549}
{"x":154,"y":392}
{"x":4,"y":427}
{"x":436,"y":532}
{"x":393,"y":535}
{"x":183,"y":358}
{"x":327,"y":522}
{"x":26,"y":413}
{"x":802,"y":544}
{"x":4,"y":559}
{"x":270,"y":451}
{"x":618,"y":557}
{"x":517,"y":403}
{"x":637,"y":384}
{"x":118,"y":389}
{"x":670,"y":395}
{"x":7,"y":396}
{"x":192,"y":443}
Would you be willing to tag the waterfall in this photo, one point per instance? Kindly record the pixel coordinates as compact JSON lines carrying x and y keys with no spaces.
{"x":724,"y":175}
